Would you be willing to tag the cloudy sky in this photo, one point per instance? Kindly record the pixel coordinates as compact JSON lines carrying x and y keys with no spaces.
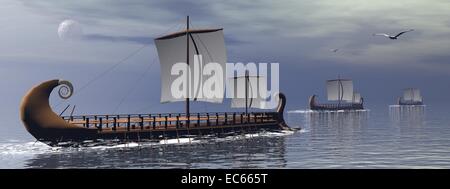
{"x":298,"y":34}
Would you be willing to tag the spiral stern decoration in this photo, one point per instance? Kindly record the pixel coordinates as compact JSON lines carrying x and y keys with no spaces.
{"x":39,"y":119}
{"x":65,"y":90}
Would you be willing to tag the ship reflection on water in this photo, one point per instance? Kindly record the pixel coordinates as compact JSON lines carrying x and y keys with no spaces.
{"x":340,"y":122}
{"x":398,"y":138}
{"x":256,"y":152}
{"x":407,"y":115}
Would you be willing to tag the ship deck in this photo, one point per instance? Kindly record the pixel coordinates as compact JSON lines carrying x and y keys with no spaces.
{"x":129,"y":123}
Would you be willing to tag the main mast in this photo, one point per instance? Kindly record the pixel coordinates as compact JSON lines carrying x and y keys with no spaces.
{"x":187,"y":62}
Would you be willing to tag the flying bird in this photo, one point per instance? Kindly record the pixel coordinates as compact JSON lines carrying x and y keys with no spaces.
{"x":392,"y":36}
{"x":334,"y":50}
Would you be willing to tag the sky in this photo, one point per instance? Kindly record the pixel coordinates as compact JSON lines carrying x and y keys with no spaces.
{"x":297,"y":34}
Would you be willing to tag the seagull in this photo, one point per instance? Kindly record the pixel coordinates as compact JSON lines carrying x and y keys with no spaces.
{"x":334,"y":50}
{"x":390,"y":36}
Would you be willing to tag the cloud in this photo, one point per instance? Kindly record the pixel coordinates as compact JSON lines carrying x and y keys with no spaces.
{"x":142,"y":39}
{"x":296,"y":33}
{"x":108,"y":38}
{"x":306,"y":27}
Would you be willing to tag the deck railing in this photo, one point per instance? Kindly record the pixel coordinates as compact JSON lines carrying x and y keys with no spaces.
{"x":170,"y":120}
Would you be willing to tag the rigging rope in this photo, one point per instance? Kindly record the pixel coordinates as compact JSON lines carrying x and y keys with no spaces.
{"x":105,"y":72}
{"x":133,"y":87}
{"x":112,"y":67}
{"x":205,"y":107}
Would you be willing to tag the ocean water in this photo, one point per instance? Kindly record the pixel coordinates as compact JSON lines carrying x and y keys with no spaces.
{"x":383,"y":137}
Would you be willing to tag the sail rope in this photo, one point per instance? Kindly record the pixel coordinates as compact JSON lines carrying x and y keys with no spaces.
{"x":205,"y":107}
{"x":135,"y":85}
{"x":112,"y":67}
{"x":209,"y":55}
{"x":203,"y":44}
{"x":105,"y":72}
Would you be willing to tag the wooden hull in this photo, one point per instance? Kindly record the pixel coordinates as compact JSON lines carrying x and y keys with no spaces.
{"x":148,"y":134}
{"x":41,"y":122}
{"x":314,"y":105}
{"x":410,"y":103}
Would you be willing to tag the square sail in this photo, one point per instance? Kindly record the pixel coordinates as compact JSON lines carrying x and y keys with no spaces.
{"x":172,"y":49}
{"x":408,"y":94}
{"x":340,"y":89}
{"x":255,"y":93}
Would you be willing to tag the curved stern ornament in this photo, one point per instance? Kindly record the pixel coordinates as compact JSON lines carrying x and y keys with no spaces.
{"x":65,"y":90}
{"x":44,"y":124}
{"x":280,"y":111}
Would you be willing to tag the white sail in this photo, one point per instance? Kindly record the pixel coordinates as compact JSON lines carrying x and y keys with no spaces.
{"x":340,"y":89}
{"x":172,"y":49}
{"x":333,"y":90}
{"x":416,"y":95}
{"x":356,"y":98}
{"x":254,"y":97}
{"x":408,"y":94}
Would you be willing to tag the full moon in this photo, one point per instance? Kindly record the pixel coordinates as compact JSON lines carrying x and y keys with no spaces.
{"x":69,"y":29}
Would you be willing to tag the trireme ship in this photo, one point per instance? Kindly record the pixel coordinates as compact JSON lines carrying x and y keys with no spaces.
{"x":411,"y":96}
{"x":48,"y":127}
{"x":340,"y":92}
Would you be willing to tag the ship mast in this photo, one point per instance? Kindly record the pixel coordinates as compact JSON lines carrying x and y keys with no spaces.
{"x":187,"y":62}
{"x":183,"y":42}
{"x":340,"y":91}
{"x":246,"y":91}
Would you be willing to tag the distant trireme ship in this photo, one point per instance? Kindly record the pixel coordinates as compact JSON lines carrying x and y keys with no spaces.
{"x":411,"y":96}
{"x":340,"y":92}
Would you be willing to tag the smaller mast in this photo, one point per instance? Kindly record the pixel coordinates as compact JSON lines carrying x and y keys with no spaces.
{"x":340,"y":91}
{"x":246,"y":91}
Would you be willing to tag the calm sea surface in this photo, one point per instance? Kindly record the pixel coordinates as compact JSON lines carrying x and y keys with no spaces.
{"x":384,"y":137}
